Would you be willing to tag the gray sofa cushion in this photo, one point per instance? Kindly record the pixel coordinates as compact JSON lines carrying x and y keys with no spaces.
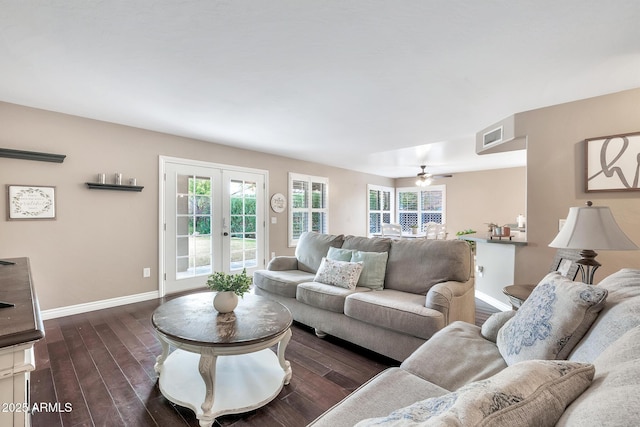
{"x":327,"y":297}
{"x":391,"y":389}
{"x":398,"y":311}
{"x":455,"y":356}
{"x":613,"y":398}
{"x":621,"y":312}
{"x":283,"y":283}
{"x":366,"y":244}
{"x":416,"y":265}
{"x":312,"y":247}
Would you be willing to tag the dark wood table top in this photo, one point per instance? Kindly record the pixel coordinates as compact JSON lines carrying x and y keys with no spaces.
{"x":21,"y":323}
{"x":193,"y":320}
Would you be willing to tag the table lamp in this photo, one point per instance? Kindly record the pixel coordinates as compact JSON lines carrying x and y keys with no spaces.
{"x":589,"y":228}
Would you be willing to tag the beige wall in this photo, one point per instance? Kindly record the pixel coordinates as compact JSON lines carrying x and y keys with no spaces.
{"x":477,"y":198}
{"x":555,"y":182}
{"x":101,"y":240}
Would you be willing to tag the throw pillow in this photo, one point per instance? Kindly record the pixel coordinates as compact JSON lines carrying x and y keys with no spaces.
{"x":532,"y":393}
{"x":493,"y":324}
{"x":338,"y":273}
{"x":339,"y":254}
{"x":551,"y":321}
{"x":374,"y":267}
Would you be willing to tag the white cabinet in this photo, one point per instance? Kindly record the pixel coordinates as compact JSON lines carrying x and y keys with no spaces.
{"x":15,"y":364}
{"x":20,"y":327}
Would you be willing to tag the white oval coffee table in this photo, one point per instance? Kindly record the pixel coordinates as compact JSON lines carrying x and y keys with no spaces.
{"x":221,"y":363}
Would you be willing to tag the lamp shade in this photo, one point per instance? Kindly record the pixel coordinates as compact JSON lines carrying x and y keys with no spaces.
{"x":592,"y":227}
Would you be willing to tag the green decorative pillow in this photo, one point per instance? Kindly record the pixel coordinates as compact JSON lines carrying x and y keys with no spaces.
{"x":339,"y":273}
{"x":532,"y":393}
{"x":551,"y":321}
{"x":339,"y":254}
{"x":374,"y":267}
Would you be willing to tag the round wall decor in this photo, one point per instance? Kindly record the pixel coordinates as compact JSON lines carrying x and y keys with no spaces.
{"x":278,"y":202}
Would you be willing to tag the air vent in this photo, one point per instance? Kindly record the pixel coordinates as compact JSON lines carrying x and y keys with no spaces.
{"x":500,"y":137}
{"x":492,"y":137}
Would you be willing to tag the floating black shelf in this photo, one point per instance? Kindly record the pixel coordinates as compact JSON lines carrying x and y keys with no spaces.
{"x":97,"y":186}
{"x":32,"y":155}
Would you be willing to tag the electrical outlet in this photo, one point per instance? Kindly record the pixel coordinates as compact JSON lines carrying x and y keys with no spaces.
{"x":146,"y":272}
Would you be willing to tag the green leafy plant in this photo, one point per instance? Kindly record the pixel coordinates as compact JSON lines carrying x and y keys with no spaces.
{"x":463,"y":232}
{"x":239,"y":284}
{"x":413,"y":226}
{"x":471,"y":243}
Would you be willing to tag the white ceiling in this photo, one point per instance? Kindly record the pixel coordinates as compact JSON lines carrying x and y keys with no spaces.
{"x":378,"y":86}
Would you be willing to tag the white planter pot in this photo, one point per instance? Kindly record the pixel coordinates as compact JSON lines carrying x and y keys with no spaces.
{"x":225,"y":302}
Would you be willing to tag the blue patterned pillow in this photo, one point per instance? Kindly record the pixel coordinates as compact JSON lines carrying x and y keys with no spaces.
{"x":532,"y":393}
{"x":551,"y":321}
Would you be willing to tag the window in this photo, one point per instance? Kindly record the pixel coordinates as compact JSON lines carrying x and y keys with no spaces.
{"x":308,"y":205}
{"x":380,"y":208}
{"x":419,"y":205}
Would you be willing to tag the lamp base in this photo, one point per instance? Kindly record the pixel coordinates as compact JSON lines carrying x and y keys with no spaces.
{"x":588,"y":265}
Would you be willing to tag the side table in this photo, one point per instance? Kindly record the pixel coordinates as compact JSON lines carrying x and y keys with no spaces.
{"x":517,"y":294}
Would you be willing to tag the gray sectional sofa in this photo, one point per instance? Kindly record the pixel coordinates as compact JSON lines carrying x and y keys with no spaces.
{"x":496,"y":375}
{"x":407,"y":291}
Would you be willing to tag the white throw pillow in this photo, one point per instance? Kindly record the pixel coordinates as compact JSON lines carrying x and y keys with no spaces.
{"x":551,"y":320}
{"x":339,"y":273}
{"x":532,"y":393}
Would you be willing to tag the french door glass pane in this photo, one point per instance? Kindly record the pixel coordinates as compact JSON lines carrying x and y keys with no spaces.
{"x":193,"y":226}
{"x":243,"y":224}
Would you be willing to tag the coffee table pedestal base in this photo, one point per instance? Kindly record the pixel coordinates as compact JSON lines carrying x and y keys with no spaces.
{"x":242,"y":382}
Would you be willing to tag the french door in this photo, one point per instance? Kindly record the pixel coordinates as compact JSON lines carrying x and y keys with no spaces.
{"x":213,"y":219}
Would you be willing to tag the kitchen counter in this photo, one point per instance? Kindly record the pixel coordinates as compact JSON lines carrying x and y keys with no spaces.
{"x":517,"y":238}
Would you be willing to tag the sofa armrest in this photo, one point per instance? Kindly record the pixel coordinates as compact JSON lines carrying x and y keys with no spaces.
{"x":456,"y":300}
{"x":282,"y":263}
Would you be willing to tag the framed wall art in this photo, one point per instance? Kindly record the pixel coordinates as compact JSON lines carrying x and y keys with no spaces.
{"x":613,"y":163}
{"x":31,"y":202}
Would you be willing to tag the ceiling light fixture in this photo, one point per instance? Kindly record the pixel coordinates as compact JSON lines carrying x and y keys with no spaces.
{"x":424,"y":179}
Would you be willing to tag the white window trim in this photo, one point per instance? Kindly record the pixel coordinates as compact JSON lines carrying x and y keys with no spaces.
{"x":392,"y":207}
{"x":442,"y":188}
{"x":309,"y":179}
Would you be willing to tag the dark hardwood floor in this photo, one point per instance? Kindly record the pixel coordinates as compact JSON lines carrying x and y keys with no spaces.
{"x":96,"y":369}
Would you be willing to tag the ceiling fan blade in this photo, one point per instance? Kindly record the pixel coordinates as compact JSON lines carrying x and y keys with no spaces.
{"x":442,"y":176}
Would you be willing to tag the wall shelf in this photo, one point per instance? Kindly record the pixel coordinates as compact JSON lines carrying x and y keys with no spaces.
{"x":97,"y":186}
{"x":32,"y":155}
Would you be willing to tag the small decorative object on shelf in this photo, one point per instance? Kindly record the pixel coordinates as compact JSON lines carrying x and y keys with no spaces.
{"x":102,"y":178}
{"x":118,"y":178}
{"x":228,"y":287}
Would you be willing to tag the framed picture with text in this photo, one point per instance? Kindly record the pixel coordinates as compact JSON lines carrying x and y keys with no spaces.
{"x":613,"y":163}
{"x":31,"y":202}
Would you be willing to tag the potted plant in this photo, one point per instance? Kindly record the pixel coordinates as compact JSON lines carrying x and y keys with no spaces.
{"x":414,"y":228}
{"x":228,"y":287}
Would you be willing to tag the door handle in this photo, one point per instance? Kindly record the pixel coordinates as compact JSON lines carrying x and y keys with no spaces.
{"x":225,"y":234}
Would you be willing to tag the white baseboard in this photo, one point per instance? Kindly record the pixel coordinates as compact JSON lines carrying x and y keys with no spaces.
{"x":97,"y":305}
{"x":493,"y":301}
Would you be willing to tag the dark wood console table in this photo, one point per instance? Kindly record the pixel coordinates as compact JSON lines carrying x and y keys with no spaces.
{"x":20,"y":327}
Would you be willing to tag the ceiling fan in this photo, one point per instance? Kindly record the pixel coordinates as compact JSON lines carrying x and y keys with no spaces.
{"x":425,"y":179}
